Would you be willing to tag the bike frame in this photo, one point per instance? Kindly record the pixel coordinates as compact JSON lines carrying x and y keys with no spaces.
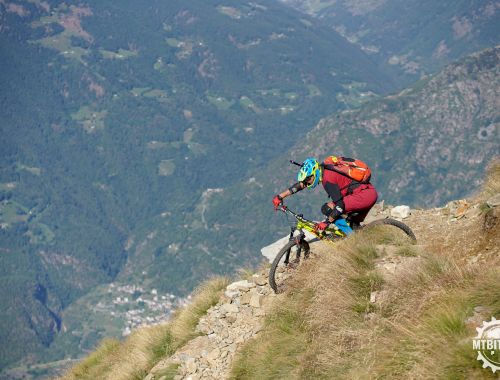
{"x":308,"y":225}
{"x":304,"y":224}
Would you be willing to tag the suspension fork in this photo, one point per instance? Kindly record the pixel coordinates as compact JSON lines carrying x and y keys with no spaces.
{"x":298,"y":239}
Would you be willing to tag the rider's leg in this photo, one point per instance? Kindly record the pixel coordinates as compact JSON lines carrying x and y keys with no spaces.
{"x":361,"y":201}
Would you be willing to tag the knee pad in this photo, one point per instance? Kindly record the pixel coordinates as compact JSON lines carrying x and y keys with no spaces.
{"x":326,"y":210}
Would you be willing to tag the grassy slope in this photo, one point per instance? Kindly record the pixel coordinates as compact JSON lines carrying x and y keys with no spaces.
{"x":325,"y":326}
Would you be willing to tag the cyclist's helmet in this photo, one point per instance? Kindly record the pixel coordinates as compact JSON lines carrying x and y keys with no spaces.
{"x":310,"y":167}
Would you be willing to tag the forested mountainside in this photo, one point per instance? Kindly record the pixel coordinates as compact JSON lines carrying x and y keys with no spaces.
{"x":417,"y":36}
{"x":118,"y":115}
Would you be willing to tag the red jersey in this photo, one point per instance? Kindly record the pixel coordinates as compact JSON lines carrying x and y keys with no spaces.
{"x":334,"y":178}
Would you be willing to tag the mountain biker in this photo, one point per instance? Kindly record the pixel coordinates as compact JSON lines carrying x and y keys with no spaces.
{"x":347,"y":195}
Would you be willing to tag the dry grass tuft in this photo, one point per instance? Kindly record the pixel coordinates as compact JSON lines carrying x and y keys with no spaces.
{"x":133,"y":358}
{"x":434,"y":340}
{"x":185,"y":320}
{"x":275,"y":353}
{"x":127,"y":360}
{"x":138,"y":353}
{"x":96,"y":362}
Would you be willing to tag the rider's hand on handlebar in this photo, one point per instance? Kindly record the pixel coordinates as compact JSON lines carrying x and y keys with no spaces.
{"x":321,"y":226}
{"x":277,"y":202}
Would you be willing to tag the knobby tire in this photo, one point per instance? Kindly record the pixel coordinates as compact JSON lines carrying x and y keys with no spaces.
{"x":392,"y":222}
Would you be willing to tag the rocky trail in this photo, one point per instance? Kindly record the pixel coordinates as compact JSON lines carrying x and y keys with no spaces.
{"x":233,"y":321}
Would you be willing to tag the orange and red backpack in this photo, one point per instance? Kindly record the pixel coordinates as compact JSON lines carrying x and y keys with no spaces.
{"x":355,"y":169}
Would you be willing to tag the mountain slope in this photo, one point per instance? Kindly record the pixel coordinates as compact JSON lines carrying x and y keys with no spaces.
{"x":397,"y":136}
{"x":441,"y":129}
{"x":119,"y":117}
{"x":438,"y":132}
{"x":235,"y":221}
{"x":446,"y":127}
{"x":351,"y":302}
{"x":419,"y":36}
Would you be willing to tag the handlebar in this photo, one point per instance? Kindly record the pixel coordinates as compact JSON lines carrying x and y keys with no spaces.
{"x":297,"y":216}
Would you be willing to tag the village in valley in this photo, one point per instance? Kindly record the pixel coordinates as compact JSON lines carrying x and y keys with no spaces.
{"x":138,"y":306}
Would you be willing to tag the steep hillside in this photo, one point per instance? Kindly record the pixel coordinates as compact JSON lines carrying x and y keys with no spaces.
{"x":433,"y":138}
{"x":416,"y":36}
{"x":373,"y":305}
{"x":131,"y":135}
{"x":115,"y":120}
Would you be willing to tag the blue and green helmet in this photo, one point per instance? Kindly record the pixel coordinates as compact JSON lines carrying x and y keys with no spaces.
{"x":310,"y":167}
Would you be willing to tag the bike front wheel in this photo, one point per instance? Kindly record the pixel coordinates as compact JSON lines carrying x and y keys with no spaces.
{"x":286,"y":261}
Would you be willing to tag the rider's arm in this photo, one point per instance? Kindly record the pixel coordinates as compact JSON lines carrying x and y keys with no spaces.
{"x":296,"y":187}
{"x":332,"y":211}
{"x":333,"y":191}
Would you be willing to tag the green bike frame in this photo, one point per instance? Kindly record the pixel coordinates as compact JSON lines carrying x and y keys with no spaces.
{"x":331,"y":231}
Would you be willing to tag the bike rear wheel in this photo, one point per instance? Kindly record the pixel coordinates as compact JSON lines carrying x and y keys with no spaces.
{"x":287,"y":259}
{"x":395,"y":223}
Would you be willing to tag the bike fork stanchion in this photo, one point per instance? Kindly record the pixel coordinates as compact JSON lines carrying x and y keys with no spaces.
{"x":299,"y":239}
{"x":287,"y":256}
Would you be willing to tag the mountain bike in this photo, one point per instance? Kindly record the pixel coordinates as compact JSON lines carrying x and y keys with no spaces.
{"x":290,"y":255}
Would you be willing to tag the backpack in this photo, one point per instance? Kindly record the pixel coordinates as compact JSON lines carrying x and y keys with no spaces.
{"x":355,"y":169}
